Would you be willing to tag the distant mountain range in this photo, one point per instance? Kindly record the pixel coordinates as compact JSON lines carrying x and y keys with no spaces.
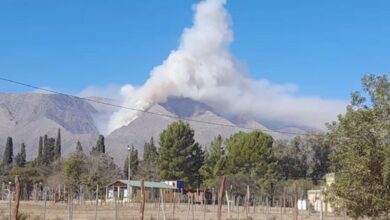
{"x":26,"y":116}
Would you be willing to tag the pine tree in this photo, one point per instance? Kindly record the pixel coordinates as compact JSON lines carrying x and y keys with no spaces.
{"x":57,"y":150}
{"x":40,"y":148}
{"x":8,"y":152}
{"x":100,"y":146}
{"x":150,"y":153}
{"x":20,"y":159}
{"x":180,"y":156}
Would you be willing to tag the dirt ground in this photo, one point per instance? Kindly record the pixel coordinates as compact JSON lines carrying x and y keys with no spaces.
{"x":86,"y":211}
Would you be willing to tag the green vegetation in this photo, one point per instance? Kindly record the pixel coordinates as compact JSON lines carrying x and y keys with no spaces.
{"x":8,"y":155}
{"x":362,"y":151}
{"x":180,"y":156}
{"x":100,"y":146}
{"x":20,"y":159}
{"x":356,"y":148}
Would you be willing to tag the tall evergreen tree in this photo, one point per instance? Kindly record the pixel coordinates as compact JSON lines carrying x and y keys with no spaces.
{"x":40,"y":147}
{"x":20,"y":159}
{"x":8,"y":152}
{"x":180,"y":157}
{"x":79,"y":147}
{"x":48,"y":150}
{"x":100,"y":146}
{"x":134,"y":163}
{"x":45,"y":138}
{"x":150,"y":155}
{"x":252,"y":154}
{"x":57,"y":150}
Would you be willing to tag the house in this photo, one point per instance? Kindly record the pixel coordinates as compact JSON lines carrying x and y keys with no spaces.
{"x":153,"y":191}
{"x":316,"y":197}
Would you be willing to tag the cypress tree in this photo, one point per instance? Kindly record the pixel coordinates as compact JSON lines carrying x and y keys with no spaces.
{"x":150,"y":152}
{"x":57,"y":149}
{"x":79,"y":148}
{"x":44,"y":145}
{"x":8,"y":152}
{"x":40,"y":148}
{"x":100,"y":147}
{"x":23,"y":152}
{"x":48,"y":150}
{"x":20,"y":159}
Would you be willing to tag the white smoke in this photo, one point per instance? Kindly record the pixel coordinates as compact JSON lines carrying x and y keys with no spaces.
{"x":202,"y":68}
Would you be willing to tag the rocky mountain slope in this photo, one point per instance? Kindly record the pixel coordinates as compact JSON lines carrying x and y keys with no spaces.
{"x":27,"y":116}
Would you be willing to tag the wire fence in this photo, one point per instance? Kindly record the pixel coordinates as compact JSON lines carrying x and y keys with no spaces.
{"x":43,"y":202}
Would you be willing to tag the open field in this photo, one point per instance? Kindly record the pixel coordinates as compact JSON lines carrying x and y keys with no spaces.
{"x":36,"y":210}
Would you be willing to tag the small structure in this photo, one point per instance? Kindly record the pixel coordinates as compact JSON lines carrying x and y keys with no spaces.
{"x":316,"y":197}
{"x":153,"y":190}
{"x":179,"y":184}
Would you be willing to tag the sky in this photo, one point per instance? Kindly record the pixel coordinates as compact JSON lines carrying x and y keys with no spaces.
{"x":323,"y":47}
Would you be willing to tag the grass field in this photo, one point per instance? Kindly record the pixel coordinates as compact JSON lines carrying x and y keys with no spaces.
{"x":36,"y":210}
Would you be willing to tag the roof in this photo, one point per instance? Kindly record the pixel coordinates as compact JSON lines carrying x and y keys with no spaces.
{"x":147,"y":184}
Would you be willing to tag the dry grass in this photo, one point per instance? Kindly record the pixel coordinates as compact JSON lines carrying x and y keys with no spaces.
{"x":36,"y":211}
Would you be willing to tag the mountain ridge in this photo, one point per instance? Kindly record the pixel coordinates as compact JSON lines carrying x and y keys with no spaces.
{"x":26,"y":116}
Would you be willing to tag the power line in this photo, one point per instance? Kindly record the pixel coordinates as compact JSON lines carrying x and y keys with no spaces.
{"x":143,"y":111}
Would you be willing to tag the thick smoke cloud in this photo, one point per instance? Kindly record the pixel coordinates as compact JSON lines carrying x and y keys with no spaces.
{"x":202,"y":68}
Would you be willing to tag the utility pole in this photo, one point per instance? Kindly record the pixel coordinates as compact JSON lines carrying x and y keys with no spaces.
{"x":129,"y":174}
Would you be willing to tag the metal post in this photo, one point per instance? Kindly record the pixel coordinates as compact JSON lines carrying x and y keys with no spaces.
{"x":9,"y":200}
{"x":129,"y":196}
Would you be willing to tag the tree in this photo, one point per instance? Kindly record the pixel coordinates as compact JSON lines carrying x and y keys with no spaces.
{"x":40,"y":147}
{"x":303,"y":156}
{"x":214,"y":162}
{"x":180,"y":157}
{"x":252,"y":154}
{"x":362,"y":151}
{"x":57,"y":149}
{"x":150,"y":155}
{"x":28,"y":177}
{"x":79,"y":147}
{"x":20,"y":159}
{"x":100,"y":146}
{"x":73,"y":171}
{"x":8,"y":152}
{"x":134,"y":163}
{"x":48,"y":150}
{"x":100,"y":169}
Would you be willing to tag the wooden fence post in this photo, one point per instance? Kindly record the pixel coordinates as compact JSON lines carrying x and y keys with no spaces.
{"x":220,"y":198}
{"x":97,"y":200}
{"x":142,"y":207}
{"x":17,"y":199}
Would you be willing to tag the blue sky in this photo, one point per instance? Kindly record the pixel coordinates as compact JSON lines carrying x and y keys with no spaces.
{"x":324,"y":47}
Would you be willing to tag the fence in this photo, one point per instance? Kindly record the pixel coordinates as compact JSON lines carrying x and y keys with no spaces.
{"x":43,"y":202}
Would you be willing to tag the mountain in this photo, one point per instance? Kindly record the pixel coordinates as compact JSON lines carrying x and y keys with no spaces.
{"x":26,"y":116}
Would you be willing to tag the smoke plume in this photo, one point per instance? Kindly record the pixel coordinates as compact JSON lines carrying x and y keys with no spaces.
{"x":202,"y":68}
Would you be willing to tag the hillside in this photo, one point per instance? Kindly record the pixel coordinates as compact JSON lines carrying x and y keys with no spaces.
{"x":27,"y":116}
